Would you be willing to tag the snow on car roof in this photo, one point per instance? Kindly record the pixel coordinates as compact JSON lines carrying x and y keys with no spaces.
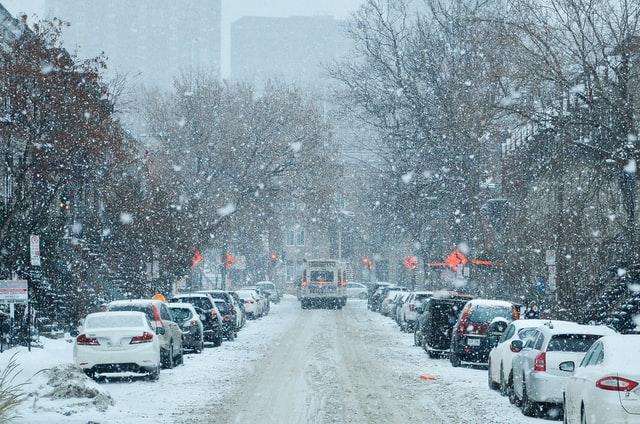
{"x":423,"y":292}
{"x":622,"y":352}
{"x":140,"y":302}
{"x":534,"y":323}
{"x":491,"y":303}
{"x":180,"y":305}
{"x":116,"y":313}
{"x":183,"y":295}
{"x":568,"y":327}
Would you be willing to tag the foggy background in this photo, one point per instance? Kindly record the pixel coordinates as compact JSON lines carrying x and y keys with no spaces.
{"x":231,"y":11}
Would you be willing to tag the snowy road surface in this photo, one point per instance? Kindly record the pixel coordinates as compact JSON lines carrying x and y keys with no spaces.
{"x":293,"y":366}
{"x":354,"y":366}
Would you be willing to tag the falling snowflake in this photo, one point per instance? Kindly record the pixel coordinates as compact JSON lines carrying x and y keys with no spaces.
{"x":227,"y":209}
{"x":126,"y":218}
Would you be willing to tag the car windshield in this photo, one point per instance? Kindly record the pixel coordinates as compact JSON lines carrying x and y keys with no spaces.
{"x":571,"y":342}
{"x":146,"y":309}
{"x":223,"y":306}
{"x":484,"y":314}
{"x":181,"y":314}
{"x":113,"y":321}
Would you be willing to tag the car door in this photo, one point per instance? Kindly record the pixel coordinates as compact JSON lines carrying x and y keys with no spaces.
{"x":499,"y":353}
{"x":520,"y":364}
{"x":171,"y":326}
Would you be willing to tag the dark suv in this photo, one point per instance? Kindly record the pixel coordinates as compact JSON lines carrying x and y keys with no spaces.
{"x":470,"y":343}
{"x":213,"y":331}
{"x":435,"y":320}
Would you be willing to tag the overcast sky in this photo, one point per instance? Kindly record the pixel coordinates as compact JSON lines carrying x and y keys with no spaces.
{"x":232,"y":10}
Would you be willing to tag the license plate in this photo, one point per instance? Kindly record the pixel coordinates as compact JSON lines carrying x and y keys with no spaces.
{"x":473,"y":342}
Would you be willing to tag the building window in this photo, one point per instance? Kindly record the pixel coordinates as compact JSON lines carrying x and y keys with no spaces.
{"x":295,"y":236}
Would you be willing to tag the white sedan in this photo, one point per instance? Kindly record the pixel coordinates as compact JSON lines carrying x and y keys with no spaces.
{"x":605,"y":387}
{"x":118,"y":342}
{"x":501,"y":356}
{"x":356,"y":291}
{"x":252,"y":303}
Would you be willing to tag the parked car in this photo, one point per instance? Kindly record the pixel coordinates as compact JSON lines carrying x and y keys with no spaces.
{"x":168,"y":331}
{"x":213,"y":323}
{"x":501,"y":356}
{"x":385,"y":305}
{"x":271,"y":289}
{"x":407,"y":315}
{"x":435,"y":320}
{"x":251,"y":303}
{"x":190,"y":320}
{"x":469,"y":342}
{"x":118,"y":342}
{"x":230,"y":299}
{"x":356,"y":290}
{"x":228,"y":319}
{"x":396,"y":305}
{"x":262,"y":299}
{"x":538,"y":379}
{"x":605,"y":387}
{"x":374,"y":294}
{"x":242,"y":311}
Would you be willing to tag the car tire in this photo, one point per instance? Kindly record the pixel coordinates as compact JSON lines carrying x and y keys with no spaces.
{"x":154,"y":374}
{"x":167,"y":357}
{"x":513,"y":397}
{"x":432,"y":354}
{"x":180,"y":360}
{"x":504,"y":388}
{"x":415,"y":338}
{"x":583,"y":416}
{"x":217,"y":340}
{"x":565,"y":417}
{"x":492,"y":384}
{"x":528,"y":407}
{"x":455,"y":359}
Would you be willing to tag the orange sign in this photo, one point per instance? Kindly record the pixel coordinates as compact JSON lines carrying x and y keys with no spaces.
{"x":457,"y":259}
{"x":410,"y":262}
{"x":229,"y":261}
{"x":197,"y":258}
{"x":160,"y":297}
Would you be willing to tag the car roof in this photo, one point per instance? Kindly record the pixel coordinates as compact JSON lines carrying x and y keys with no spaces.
{"x":568,"y":327}
{"x":532,"y":323}
{"x":263,"y":282}
{"x":187,"y":295}
{"x":180,"y":305}
{"x":428,"y":293}
{"x":491,"y":303}
{"x":138,"y":302}
{"x":450,"y":295}
{"x":116,"y":313}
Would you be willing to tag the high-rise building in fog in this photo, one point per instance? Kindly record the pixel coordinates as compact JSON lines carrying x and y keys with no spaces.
{"x":293,"y":49}
{"x":149,"y":40}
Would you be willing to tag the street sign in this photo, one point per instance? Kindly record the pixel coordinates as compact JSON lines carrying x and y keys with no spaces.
{"x":34,"y":247}
{"x":229,"y":261}
{"x":241,"y":265}
{"x":14,"y":291}
{"x":410,"y":262}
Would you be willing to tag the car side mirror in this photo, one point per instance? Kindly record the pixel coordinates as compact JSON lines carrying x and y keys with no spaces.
{"x":567,"y":366}
{"x":516,"y":346}
{"x":160,"y":331}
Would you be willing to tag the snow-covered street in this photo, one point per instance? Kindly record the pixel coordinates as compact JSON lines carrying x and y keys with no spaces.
{"x":354,"y":366}
{"x":297,"y":366}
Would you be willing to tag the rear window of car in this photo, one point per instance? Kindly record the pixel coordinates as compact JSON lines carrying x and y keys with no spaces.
{"x":218,"y":295}
{"x":113,"y":321}
{"x":222,"y":306}
{"x":147,"y":310}
{"x":481,"y":314}
{"x":180,"y":314}
{"x":321,"y":276}
{"x":571,"y":342}
{"x":198,"y":302}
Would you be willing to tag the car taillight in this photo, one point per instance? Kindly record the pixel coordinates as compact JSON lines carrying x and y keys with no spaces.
{"x":616,"y":384}
{"x":145,"y":338}
{"x":540,"y":363}
{"x":83,"y":340}
{"x":464,"y":318}
{"x":226,"y":318}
